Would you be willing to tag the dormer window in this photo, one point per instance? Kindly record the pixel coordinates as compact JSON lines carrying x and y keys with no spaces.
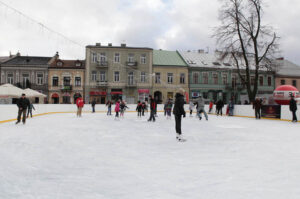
{"x":78,"y":64}
{"x":59,"y":64}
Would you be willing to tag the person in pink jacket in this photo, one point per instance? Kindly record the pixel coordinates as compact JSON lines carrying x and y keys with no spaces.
{"x":117,"y":108}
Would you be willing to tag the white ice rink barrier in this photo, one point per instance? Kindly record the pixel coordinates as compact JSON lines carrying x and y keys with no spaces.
{"x":9,"y":111}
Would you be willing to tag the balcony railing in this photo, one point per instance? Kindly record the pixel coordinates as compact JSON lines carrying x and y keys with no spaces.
{"x":102,"y":64}
{"x":101,"y":83}
{"x":66,"y":88}
{"x":132,"y":64}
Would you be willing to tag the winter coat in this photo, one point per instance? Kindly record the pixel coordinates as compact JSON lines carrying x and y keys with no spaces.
{"x":109,"y":104}
{"x":169,"y":105}
{"x":123,"y":106}
{"x":93,"y":103}
{"x":179,"y":105}
{"x":117,"y":108}
{"x":152,"y":105}
{"x":231,"y":105}
{"x":139,"y":107}
{"x":220,"y":104}
{"x":293,"y":105}
{"x":257,"y":104}
{"x":23,"y":103}
{"x":191,"y":107}
{"x":201,"y":103}
{"x":30,"y":107}
{"x":79,"y":102}
{"x":211,"y":105}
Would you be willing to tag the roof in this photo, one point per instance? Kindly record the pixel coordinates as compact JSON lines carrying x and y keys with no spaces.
{"x":67,"y":64}
{"x":167,"y":58}
{"x":27,"y":60}
{"x":4,"y":59}
{"x":119,"y":47}
{"x":287,"y":68}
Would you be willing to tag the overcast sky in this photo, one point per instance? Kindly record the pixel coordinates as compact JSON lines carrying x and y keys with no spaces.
{"x":160,"y":24}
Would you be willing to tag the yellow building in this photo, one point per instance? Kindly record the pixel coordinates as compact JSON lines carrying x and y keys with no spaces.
{"x":65,"y":81}
{"x":171,"y":74}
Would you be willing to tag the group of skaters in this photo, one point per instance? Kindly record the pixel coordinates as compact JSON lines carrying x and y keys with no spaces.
{"x":24,"y":107}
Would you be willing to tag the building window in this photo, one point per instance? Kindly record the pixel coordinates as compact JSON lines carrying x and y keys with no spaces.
{"x":78,"y":64}
{"x":205,"y":77}
{"x":157,"y":78}
{"x":243,"y":79}
{"x":143,"y":77}
{"x":294,"y":83}
{"x":224,"y":79}
{"x":94,"y":76}
{"x":10,"y":78}
{"x":195,"y":78}
{"x":252,"y":80}
{"x":130,"y":57}
{"x":182,"y":78}
{"x":269,"y":81}
{"x":117,"y":58}
{"x":54,"y":81}
{"x":215,"y":78}
{"x":117,"y":76}
{"x":130,"y":78}
{"x":94,"y":57}
{"x":39,"y":79}
{"x":282,"y":82}
{"x":59,"y":64}
{"x":143,"y":59}
{"x":67,"y":81}
{"x":77,"y":81}
{"x":102,"y":76}
{"x":261,"y":80}
{"x":233,"y":80}
{"x":102,"y":57}
{"x":170,"y":78}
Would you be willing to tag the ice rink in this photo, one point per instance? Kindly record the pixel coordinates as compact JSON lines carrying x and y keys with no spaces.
{"x":96,"y":157}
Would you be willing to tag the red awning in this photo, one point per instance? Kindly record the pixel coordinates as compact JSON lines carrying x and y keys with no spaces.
{"x":116,"y":93}
{"x":55,"y":95}
{"x":143,"y":90}
{"x":97,"y":93}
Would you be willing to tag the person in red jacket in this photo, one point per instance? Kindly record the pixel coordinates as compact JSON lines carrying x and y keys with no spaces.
{"x":79,"y":104}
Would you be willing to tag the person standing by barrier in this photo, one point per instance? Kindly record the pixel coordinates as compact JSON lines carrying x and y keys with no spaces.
{"x":93,"y":105}
{"x":178,"y":112}
{"x":257,"y":107}
{"x":139,"y":108}
{"x":22,"y":104}
{"x":293,"y":108}
{"x":231,"y":108}
{"x":30,"y":107}
{"x":108,"y":104}
{"x":152,"y":109}
{"x":211,"y":105}
{"x":219,"y":107}
{"x":79,"y":104}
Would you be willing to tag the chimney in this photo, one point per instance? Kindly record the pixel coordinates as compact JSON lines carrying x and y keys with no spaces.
{"x":56,"y":56}
{"x":98,"y":44}
{"x":201,"y":51}
{"x":123,"y":45}
{"x":110,"y":44}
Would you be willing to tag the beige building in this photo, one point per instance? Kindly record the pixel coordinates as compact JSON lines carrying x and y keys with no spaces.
{"x":287,"y":73}
{"x":117,"y":72}
{"x":171,"y":74}
{"x":66,"y":79}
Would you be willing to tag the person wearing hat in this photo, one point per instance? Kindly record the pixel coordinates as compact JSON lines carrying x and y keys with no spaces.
{"x":293,"y":108}
{"x":22,"y":104}
{"x":178,"y":112}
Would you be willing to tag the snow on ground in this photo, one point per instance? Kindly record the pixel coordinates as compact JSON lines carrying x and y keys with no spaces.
{"x":61,"y":156}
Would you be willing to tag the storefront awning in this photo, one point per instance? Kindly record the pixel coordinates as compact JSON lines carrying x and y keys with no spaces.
{"x":143,"y":90}
{"x":94,"y":93}
{"x":116,"y":93}
{"x":55,"y":95}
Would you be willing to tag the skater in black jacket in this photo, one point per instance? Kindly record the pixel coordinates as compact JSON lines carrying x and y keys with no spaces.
{"x":139,"y":108}
{"x":22,"y":104}
{"x":178,"y":112}
{"x":219,"y":107}
{"x":293,"y":108}
{"x":152,"y":109}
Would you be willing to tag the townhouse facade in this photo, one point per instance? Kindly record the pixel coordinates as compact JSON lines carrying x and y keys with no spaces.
{"x":66,"y":80}
{"x":118,"y":72}
{"x":26,"y":72}
{"x":171,"y":74}
{"x":287,"y":73}
{"x":216,"y":80}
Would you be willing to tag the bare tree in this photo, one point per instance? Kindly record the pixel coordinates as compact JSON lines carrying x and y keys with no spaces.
{"x":245,"y":40}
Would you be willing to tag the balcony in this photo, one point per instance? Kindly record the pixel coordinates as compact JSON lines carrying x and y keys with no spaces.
{"x":132,"y":64}
{"x":66,"y":88}
{"x":101,"y":83}
{"x":102,"y":64}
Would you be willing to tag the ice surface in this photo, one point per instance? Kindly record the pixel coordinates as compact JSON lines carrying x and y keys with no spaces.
{"x":61,"y":156}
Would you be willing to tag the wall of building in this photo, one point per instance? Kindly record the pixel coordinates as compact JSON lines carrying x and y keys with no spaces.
{"x":288,"y":81}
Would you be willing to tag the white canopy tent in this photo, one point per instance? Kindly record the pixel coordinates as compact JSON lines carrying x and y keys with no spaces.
{"x":10,"y":91}
{"x":33,"y":93}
